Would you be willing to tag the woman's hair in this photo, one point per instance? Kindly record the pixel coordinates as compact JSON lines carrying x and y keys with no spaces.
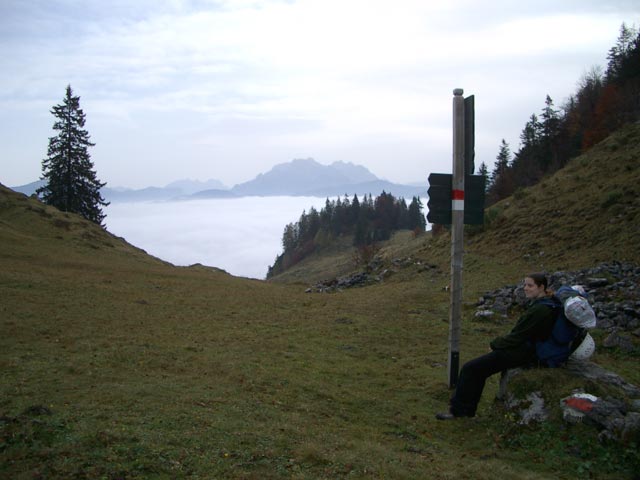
{"x":539,"y":278}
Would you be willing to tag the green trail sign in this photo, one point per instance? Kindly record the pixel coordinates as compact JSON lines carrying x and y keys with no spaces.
{"x":441,"y":196}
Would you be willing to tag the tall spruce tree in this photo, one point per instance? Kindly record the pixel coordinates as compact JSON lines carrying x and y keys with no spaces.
{"x":501,"y":178}
{"x":620,"y":54}
{"x":550,"y":125}
{"x":484,"y":172}
{"x":416,"y":218}
{"x":72,"y":185}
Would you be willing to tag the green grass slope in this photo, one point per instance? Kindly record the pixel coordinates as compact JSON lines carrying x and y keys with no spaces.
{"x":586,"y":213}
{"x":117,"y":365}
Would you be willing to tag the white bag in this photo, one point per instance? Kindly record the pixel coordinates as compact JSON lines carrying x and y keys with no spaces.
{"x":579,"y":312}
{"x":585,"y":349}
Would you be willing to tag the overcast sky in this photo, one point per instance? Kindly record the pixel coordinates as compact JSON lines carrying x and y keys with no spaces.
{"x":226,"y":89}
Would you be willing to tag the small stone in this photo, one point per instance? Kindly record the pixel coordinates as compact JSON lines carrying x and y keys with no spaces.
{"x":634,"y":405}
{"x":536,"y":411}
{"x":615,"y":340}
{"x":631,"y":429}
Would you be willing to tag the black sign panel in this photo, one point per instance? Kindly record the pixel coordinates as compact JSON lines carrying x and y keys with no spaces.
{"x":439,"y":203}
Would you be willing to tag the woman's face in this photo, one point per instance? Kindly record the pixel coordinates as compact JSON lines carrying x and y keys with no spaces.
{"x":531,"y":290}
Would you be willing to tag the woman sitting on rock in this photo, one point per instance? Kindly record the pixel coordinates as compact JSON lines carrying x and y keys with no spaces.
{"x":516,"y":349}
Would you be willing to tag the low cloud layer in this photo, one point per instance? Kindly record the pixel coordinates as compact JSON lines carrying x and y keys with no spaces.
{"x":242,"y":236}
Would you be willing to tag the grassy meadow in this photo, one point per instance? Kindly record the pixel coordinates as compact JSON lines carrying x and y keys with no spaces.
{"x":116,"y":365}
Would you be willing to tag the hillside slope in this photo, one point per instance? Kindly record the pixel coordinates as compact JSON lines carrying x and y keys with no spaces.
{"x":586,"y":213}
{"x":31,"y":229}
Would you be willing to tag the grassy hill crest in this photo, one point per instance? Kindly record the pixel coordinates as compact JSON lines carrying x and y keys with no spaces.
{"x":28,"y":225}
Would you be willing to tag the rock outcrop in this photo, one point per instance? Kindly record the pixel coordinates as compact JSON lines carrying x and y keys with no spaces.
{"x":616,"y":417}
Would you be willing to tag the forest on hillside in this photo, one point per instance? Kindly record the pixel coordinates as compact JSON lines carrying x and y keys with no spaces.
{"x":369,"y":221}
{"x":603,"y":103}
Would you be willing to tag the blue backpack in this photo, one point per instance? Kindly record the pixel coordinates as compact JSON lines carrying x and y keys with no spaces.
{"x":555,"y":350}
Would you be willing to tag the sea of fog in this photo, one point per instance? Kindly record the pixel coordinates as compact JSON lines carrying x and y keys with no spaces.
{"x":241,"y":235}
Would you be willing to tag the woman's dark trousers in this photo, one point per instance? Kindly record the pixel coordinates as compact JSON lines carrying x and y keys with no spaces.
{"x":472,"y":378}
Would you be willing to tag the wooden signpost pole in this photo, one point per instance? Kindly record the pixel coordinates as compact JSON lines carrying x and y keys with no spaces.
{"x":457,"y":233}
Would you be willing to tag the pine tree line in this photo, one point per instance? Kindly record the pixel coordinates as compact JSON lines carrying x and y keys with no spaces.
{"x":369,"y":221}
{"x":602,"y":104}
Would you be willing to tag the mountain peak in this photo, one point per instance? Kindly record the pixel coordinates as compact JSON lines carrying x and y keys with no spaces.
{"x":304,"y":175}
{"x":355,"y":173}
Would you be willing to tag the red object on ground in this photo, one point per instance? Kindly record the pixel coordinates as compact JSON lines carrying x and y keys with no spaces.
{"x":580,"y":404}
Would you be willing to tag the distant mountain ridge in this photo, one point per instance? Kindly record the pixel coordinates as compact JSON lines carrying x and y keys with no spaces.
{"x":177,"y":189}
{"x":299,"y":177}
{"x":29,"y":188}
{"x":307,"y":177}
{"x":302,"y":176}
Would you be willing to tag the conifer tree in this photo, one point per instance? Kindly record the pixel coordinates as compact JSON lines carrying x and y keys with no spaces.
{"x":620,"y":54}
{"x":416,"y":217}
{"x":484,"y":172}
{"x":502,"y":161}
{"x":71,"y":182}
{"x":501,"y":184}
{"x":355,"y":210}
{"x":532,"y":132}
{"x":550,"y":126}
{"x":550,"y":120}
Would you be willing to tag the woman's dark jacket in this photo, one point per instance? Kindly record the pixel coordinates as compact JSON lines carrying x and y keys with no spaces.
{"x":534,"y":325}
